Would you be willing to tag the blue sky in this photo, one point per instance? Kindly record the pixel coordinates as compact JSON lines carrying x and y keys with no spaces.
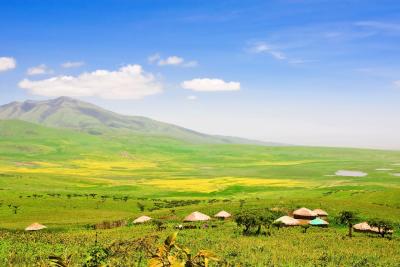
{"x":312,"y":72}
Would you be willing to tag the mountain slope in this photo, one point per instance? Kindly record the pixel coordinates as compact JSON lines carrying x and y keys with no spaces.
{"x":65,"y":112}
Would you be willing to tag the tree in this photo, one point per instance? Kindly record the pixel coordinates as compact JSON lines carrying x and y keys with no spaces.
{"x":247,"y":220}
{"x":305,"y":228}
{"x":384,"y":226}
{"x":278,"y":224}
{"x":348,"y":218}
{"x":140,"y":206}
{"x":256,"y":219}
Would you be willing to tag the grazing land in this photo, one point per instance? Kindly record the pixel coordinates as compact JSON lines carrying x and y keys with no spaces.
{"x":70,"y":181}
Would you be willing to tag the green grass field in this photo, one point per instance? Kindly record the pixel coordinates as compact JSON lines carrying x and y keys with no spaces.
{"x":67,"y":180}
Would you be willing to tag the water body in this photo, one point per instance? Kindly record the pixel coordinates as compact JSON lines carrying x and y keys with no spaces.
{"x":351,"y":173}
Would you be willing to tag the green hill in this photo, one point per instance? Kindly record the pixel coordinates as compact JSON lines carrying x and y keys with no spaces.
{"x":65,"y":112}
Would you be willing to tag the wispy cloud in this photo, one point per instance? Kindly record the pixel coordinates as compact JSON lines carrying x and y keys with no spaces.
{"x":397,"y":83}
{"x":210,"y":85}
{"x":379,"y":25}
{"x":72,"y":64}
{"x":274,"y":52}
{"x":38,"y":70}
{"x":153,"y":58}
{"x":7,"y":63}
{"x":262,"y":47}
{"x":128,"y":82}
{"x":171,"y":61}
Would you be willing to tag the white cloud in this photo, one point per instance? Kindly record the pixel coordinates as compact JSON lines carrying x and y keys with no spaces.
{"x":397,"y":83}
{"x":192,"y":97}
{"x":128,"y":82}
{"x":40,"y":69}
{"x":262,"y":47}
{"x":72,"y":64}
{"x":210,"y":85}
{"x":172,"y":60}
{"x":7,"y":63}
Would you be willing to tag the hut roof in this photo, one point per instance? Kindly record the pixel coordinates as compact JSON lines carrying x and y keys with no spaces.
{"x":35,"y":227}
{"x":223,"y":214}
{"x":320,"y":212}
{"x":196,"y":216}
{"x":288,"y":221}
{"x":376,"y":230}
{"x":364,"y":226}
{"x":142,"y":219}
{"x":318,"y":222}
{"x":304,"y":212}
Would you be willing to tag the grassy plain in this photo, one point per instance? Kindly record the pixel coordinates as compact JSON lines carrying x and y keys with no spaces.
{"x":67,"y":180}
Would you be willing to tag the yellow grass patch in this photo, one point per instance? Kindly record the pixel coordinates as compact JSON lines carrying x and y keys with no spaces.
{"x":85,"y":167}
{"x":206,"y":185}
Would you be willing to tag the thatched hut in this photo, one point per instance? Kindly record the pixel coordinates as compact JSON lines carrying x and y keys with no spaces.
{"x":362,"y":227}
{"x":196,"y":217}
{"x":142,"y":219}
{"x":376,"y":230}
{"x":321,"y":213}
{"x":287,"y":221}
{"x":305,"y":214}
{"x":223,"y":215}
{"x":35,"y":227}
{"x":319,"y":222}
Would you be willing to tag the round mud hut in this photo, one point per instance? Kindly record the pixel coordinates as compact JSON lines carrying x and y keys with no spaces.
{"x":35,"y":227}
{"x":287,"y":221}
{"x":223,"y":215}
{"x":320,"y":213}
{"x":142,"y":219}
{"x":304,"y":214}
{"x":196,"y":217}
{"x":362,"y":227}
{"x":319,"y":222}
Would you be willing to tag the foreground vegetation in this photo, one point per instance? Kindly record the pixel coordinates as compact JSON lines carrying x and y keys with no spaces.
{"x":79,"y":184}
{"x":130,"y":245}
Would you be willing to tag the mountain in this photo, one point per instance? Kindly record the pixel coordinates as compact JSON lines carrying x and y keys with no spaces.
{"x":66,"y":112}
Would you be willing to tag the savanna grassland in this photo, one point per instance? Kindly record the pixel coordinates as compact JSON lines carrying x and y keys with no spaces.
{"x":71,"y":180}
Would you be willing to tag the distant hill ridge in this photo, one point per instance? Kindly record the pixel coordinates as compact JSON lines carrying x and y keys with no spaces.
{"x":66,"y":112}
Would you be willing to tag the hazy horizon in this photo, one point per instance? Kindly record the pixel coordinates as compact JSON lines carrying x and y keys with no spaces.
{"x":320,"y":73}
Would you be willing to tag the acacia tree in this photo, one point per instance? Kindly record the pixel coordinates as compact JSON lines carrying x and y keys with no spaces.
{"x":348,"y":218}
{"x":254,"y":220}
{"x":384,"y":226}
{"x":247,"y":220}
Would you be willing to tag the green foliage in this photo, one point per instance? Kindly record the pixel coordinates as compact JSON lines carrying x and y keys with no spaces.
{"x":96,"y":256}
{"x":384,"y":226}
{"x":254,"y":219}
{"x":141,"y":206}
{"x":172,"y":254}
{"x":57,"y":261}
{"x":348,"y":218}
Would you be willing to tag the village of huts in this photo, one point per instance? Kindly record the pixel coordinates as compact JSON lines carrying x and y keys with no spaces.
{"x":299,"y":217}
